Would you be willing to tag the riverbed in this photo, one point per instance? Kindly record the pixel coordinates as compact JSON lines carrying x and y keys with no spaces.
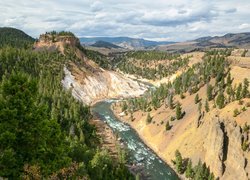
{"x":139,"y":153}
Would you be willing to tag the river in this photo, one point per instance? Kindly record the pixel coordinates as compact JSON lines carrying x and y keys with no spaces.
{"x":139,"y":153}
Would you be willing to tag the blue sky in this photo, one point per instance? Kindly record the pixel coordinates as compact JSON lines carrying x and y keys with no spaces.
{"x":174,"y":20}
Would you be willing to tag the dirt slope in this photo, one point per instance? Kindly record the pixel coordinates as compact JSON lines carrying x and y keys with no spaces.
{"x":217,"y":140}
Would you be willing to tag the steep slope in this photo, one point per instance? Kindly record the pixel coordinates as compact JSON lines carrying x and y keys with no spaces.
{"x":45,"y":132}
{"x":217,"y":136}
{"x":14,"y":37}
{"x":88,"y":82}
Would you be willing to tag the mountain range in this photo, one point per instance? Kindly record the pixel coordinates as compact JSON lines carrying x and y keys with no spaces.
{"x":238,"y":40}
{"x":230,"y":40}
{"x":125,"y":42}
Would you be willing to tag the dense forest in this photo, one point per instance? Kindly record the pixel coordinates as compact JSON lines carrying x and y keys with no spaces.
{"x":14,"y":38}
{"x":44,"y":131}
{"x":151,"y":64}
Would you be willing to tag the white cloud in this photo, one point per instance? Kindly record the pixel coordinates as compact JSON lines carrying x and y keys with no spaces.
{"x":244,"y":26}
{"x":175,"y":20}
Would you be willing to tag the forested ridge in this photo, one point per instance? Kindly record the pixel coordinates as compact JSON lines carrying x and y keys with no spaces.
{"x":15,"y":38}
{"x":44,"y":131}
{"x":151,"y":64}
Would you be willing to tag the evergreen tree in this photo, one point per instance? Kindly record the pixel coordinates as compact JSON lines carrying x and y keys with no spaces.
{"x":229,"y":79}
{"x":209,"y":92}
{"x":168,"y":126}
{"x":207,"y":106}
{"x":198,"y":169}
{"x":245,"y":91}
{"x":26,"y":133}
{"x":178,"y":162}
{"x":124,"y":106}
{"x":211,"y":176}
{"x":196,"y":99}
{"x":238,"y":92}
{"x":179,"y":114}
{"x":199,"y":107}
{"x":149,"y":119}
{"x":189,"y":173}
{"x":170,"y":101}
{"x":220,"y":100}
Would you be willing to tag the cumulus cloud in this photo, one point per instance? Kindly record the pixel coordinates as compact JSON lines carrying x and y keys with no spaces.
{"x":175,"y":20}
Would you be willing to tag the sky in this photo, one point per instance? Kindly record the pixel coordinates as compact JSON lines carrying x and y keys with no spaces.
{"x":169,"y":20}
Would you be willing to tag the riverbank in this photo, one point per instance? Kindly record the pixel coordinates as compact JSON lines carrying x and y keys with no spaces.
{"x":111,"y":142}
{"x":117,"y":112}
{"x":108,"y":139}
{"x":139,"y":154}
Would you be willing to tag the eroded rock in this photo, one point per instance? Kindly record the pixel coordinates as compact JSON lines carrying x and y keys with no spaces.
{"x":214,"y":147}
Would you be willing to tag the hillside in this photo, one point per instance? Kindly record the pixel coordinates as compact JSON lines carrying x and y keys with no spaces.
{"x":105,"y":45}
{"x":14,"y":38}
{"x":201,"y":114}
{"x":238,"y":40}
{"x":87,"y":81}
{"x":125,"y":42}
{"x":45,"y":132}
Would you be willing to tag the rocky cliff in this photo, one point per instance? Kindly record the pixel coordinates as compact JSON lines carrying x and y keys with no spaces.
{"x":216,"y":141}
{"x":101,"y":85}
{"x":214,"y":144}
{"x":87,"y":81}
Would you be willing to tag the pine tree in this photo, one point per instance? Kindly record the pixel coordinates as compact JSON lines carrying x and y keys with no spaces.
{"x":199,"y":107}
{"x":207,"y":106}
{"x":245,"y":91}
{"x":209,"y":92}
{"x":178,"y":111}
{"x":189,"y":173}
{"x":238,"y":92}
{"x":170,"y":101}
{"x":124,"y":106}
{"x":149,"y":119}
{"x":220,"y":100}
{"x":168,"y":126}
{"x":211,"y":176}
{"x":236,"y":112}
{"x":28,"y":136}
{"x":178,"y":162}
{"x":229,"y":79}
{"x":198,"y":170}
{"x":196,"y":99}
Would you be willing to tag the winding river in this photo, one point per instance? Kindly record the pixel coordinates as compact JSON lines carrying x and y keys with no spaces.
{"x":139,"y":153}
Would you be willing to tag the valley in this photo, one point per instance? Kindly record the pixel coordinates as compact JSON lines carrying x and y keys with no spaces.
{"x":128,"y":113}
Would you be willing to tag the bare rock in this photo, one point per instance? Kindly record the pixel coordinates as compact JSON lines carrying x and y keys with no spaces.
{"x":102,"y":85}
{"x":214,"y":147}
{"x":235,"y":161}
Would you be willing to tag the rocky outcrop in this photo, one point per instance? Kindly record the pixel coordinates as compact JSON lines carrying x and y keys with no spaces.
{"x":235,"y":162}
{"x":55,"y":42}
{"x":48,"y":39}
{"x":223,"y":152}
{"x":102,"y":85}
{"x":214,"y":147}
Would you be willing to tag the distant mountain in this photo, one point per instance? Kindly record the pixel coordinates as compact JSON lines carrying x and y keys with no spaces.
{"x":229,"y":40}
{"x":105,"y":44}
{"x":237,"y":40}
{"x":125,"y":42}
{"x":14,"y":37}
